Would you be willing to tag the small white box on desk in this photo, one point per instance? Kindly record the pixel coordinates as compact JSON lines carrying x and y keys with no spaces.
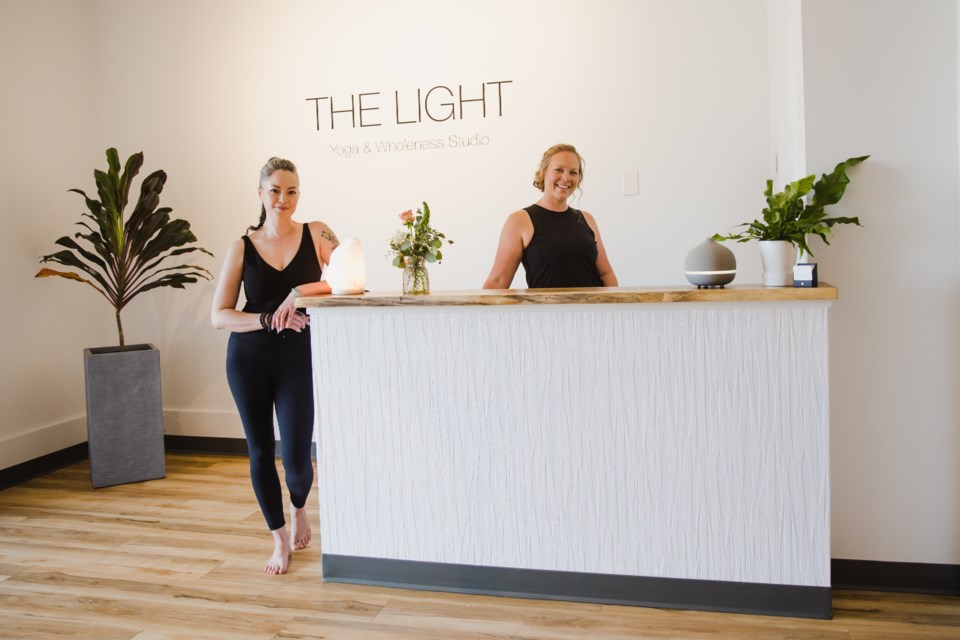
{"x":805,"y":274}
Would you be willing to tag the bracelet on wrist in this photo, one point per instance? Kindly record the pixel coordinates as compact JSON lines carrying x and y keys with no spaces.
{"x":295,"y":292}
{"x":265,"y":319}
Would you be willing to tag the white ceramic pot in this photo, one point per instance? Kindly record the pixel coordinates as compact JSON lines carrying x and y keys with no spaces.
{"x":778,"y":257}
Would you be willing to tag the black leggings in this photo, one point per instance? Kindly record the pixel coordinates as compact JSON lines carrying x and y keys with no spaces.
{"x":266,"y":373}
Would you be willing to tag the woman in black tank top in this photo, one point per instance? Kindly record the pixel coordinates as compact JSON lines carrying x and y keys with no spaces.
{"x":268,"y":353}
{"x":558,"y":246}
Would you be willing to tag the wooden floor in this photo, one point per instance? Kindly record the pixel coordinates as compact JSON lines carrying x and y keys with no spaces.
{"x":182,"y":557}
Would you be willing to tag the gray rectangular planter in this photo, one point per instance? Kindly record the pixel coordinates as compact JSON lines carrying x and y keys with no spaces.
{"x":124,"y":414}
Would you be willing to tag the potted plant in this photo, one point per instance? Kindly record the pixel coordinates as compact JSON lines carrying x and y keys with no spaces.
{"x":121,"y":258}
{"x":791,"y":216}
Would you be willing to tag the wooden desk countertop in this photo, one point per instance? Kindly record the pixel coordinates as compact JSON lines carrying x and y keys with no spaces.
{"x":591,"y":295}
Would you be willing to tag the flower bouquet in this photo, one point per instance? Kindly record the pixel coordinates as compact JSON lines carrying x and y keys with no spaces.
{"x":415,"y":243}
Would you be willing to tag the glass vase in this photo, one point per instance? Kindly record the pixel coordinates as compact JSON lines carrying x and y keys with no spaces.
{"x":415,"y":276}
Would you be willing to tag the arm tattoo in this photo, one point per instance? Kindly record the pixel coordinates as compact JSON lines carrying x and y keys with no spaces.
{"x":328,"y":234}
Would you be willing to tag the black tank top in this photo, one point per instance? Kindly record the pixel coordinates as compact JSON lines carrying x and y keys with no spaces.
{"x":563,"y":251}
{"x":265,"y":287}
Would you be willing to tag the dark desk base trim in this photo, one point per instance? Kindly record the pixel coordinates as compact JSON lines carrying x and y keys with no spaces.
{"x":671,"y":593}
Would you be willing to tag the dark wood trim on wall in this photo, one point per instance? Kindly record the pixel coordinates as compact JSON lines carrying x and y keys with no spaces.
{"x":902,"y":577}
{"x":198,"y":444}
{"x":220,"y":446}
{"x":20,"y":473}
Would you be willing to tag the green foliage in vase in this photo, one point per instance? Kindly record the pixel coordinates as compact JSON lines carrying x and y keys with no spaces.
{"x":417,"y":239}
{"x":122,"y":258}
{"x":791,"y":216}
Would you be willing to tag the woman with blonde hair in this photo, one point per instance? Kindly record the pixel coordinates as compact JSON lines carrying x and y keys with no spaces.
{"x":559,"y":246}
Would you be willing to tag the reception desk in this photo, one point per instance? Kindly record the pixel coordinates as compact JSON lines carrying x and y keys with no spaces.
{"x":661,"y":447}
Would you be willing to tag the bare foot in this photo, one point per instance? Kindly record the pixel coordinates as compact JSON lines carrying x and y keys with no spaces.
{"x":299,"y":528}
{"x":280,"y":559}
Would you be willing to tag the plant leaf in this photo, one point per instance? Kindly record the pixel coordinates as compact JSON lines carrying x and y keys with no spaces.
{"x":122,"y":255}
{"x":831,"y":186}
{"x":69,"y":275}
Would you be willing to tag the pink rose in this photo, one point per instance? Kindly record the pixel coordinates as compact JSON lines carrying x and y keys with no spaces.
{"x":407,"y":215}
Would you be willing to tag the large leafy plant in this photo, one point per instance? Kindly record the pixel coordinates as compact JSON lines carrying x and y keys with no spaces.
{"x":123,"y":258}
{"x":790,"y":215}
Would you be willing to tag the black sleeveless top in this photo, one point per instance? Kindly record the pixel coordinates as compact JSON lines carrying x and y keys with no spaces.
{"x":563,"y":251}
{"x":265,"y":287}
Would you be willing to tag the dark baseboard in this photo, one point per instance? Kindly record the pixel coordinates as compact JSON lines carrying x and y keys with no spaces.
{"x":198,"y":444}
{"x":222,"y":446}
{"x":672,"y":593}
{"x":903,"y":577}
{"x":20,"y":473}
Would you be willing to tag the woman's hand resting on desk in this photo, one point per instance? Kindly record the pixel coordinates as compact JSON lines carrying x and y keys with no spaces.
{"x":287,"y":317}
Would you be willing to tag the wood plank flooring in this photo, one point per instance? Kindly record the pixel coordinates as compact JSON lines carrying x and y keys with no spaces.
{"x":182,"y":558}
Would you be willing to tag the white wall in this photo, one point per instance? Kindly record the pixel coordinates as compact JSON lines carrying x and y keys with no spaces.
{"x":881,"y":78}
{"x":46,"y":124}
{"x":679,"y":91}
{"x":233,"y":91}
{"x":785,"y":57}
